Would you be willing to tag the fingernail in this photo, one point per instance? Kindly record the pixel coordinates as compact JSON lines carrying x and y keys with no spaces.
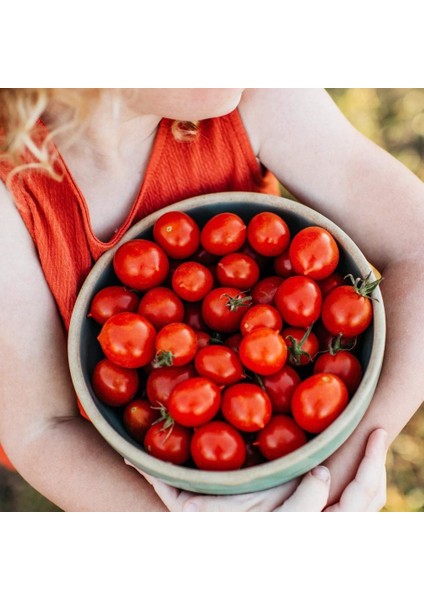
{"x":191,"y":507}
{"x":321,"y":473}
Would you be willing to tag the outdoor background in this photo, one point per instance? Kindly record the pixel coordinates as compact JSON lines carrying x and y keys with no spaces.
{"x":394,"y":119}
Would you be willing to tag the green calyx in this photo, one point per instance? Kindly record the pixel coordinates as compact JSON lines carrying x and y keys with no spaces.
{"x":295,"y":348}
{"x":234,"y":302}
{"x":364,"y":287}
{"x":163,"y":359}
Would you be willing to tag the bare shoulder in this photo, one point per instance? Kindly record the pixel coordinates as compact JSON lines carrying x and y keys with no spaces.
{"x":283,"y":116}
{"x":33,"y":369}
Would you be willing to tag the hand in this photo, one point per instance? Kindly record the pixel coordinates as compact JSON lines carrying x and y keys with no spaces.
{"x":309,"y":494}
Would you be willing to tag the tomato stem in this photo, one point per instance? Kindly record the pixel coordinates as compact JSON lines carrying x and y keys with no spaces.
{"x":163,"y":359}
{"x":335,"y":345}
{"x":168,"y":421}
{"x":234,"y":302}
{"x":364,"y":287}
{"x":296,"y":348}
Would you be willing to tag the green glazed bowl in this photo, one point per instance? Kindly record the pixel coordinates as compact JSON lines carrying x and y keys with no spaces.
{"x":84,"y":352}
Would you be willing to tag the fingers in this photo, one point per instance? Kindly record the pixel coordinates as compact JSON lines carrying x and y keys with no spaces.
{"x":367,"y":492}
{"x":311,"y":494}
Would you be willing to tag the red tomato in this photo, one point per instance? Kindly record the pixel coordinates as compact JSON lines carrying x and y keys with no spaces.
{"x":299,"y":300}
{"x":177,"y":233}
{"x":193,"y":316}
{"x":302,"y":345}
{"x":265,"y":290}
{"x":280,"y":388}
{"x":112,"y":300}
{"x":224,"y":233}
{"x":161,"y":382}
{"x":329,"y":283}
{"x":203,"y":339}
{"x":268,"y":234}
{"x":246,"y":406}
{"x":314,"y":252}
{"x":318,"y":401}
{"x":281,"y":436}
{"x":194,"y":402}
{"x":219,"y":363}
{"x":237,"y":270}
{"x":138,"y":417}
{"x":261,"y":315}
{"x":161,"y":306}
{"x":176,"y":345}
{"x":171,"y":444}
{"x":114,"y":385}
{"x":141,"y":264}
{"x":282,"y":265}
{"x":128,"y":339}
{"x":191,"y":281}
{"x":345,"y":365}
{"x":347,"y":312}
{"x":263,"y":351}
{"x":233,"y":341}
{"x":217,"y":446}
{"x":223,"y":309}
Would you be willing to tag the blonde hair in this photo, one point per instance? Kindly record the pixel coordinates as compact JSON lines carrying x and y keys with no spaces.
{"x":21,"y":109}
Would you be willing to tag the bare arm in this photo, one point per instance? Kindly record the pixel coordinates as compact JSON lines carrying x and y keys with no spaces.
{"x":53,"y":448}
{"x":305,"y":140}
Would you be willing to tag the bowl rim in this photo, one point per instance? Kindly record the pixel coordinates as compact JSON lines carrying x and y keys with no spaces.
{"x":352,"y":413}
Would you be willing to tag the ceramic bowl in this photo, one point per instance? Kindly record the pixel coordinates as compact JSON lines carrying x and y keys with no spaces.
{"x":84,"y":352}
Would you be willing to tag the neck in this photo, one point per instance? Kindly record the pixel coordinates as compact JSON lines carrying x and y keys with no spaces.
{"x":111,"y":133}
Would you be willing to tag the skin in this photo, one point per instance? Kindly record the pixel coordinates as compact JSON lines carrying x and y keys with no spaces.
{"x":303,"y":138}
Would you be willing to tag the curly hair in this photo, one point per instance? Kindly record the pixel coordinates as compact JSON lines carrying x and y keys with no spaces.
{"x":21,"y":110}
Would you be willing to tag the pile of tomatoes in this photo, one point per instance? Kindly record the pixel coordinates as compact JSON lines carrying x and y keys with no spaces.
{"x":228,"y":344}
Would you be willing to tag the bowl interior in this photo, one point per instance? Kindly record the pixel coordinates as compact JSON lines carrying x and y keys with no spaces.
{"x":85,"y":352}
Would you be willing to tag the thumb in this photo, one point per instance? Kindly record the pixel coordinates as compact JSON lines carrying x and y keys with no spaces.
{"x":311,"y":495}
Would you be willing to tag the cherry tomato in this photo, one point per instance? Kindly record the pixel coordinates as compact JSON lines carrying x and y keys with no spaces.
{"x":314,"y":252}
{"x":161,"y":306}
{"x":268,"y":234}
{"x":261,"y":315}
{"x":217,"y":446}
{"x":318,"y":401}
{"x":233,"y":341}
{"x":203,"y":339}
{"x":191,"y":281}
{"x":246,"y":406}
{"x":111,"y":300}
{"x":176,"y":345}
{"x":141,"y":264}
{"x":302,"y":345}
{"x":299,"y":300}
{"x":193,"y":316}
{"x":237,"y":270}
{"x":219,"y":363}
{"x":171,"y":444}
{"x":345,"y":311}
{"x":223,"y":309}
{"x":194,"y":402}
{"x":280,"y":388}
{"x":329,"y":283}
{"x":281,"y":436}
{"x":265,"y":290}
{"x":161,"y":382}
{"x":263,"y":351}
{"x":345,"y":365}
{"x":128,"y":339}
{"x":177,"y":233}
{"x":224,"y":233}
{"x":114,"y":385}
{"x":282,"y":265}
{"x":138,"y":417}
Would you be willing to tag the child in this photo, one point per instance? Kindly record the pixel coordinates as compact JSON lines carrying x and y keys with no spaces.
{"x":123,"y":154}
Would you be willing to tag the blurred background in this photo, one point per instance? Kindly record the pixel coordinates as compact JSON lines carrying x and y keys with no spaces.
{"x":394,"y":119}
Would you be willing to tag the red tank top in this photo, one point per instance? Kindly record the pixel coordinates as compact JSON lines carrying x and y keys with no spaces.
{"x":220,"y":158}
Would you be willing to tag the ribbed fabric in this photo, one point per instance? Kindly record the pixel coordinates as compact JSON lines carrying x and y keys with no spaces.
{"x":220,"y":158}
